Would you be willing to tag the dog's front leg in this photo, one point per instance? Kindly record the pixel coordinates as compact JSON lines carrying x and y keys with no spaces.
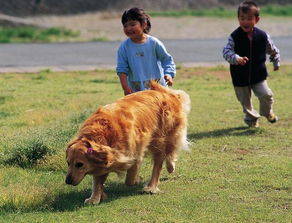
{"x":133,"y":177}
{"x":97,"y":194}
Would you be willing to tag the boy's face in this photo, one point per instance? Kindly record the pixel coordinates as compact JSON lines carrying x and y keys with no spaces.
{"x":248,"y":20}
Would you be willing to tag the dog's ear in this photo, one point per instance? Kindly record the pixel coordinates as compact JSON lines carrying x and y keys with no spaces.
{"x":100,"y":155}
{"x":70,"y":144}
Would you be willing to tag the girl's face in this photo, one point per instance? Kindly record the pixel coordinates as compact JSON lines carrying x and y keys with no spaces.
{"x":247,"y":21}
{"x":134,"y":29}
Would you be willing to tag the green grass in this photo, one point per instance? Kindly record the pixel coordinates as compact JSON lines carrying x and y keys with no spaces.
{"x":30,"y":34}
{"x":231,"y":174}
{"x":269,"y":10}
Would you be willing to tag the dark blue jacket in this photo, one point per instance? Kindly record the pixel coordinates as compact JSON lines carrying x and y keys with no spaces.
{"x":254,"y":71}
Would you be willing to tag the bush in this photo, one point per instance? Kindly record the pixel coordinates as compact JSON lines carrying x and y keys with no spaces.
{"x":27,"y":153}
{"x":30,"y":34}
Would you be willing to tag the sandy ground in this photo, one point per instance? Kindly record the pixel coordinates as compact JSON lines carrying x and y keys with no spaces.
{"x":108,"y":26}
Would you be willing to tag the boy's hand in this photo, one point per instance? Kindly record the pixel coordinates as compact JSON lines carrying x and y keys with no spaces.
{"x":242,"y":60}
{"x":276,"y":68}
{"x":168,"y":79}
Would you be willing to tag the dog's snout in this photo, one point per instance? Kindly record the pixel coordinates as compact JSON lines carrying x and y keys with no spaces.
{"x":68,"y":179}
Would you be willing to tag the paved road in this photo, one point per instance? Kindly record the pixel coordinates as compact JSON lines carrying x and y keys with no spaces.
{"x":93,"y":55}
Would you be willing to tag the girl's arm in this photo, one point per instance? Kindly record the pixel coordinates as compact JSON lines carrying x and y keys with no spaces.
{"x":167,"y":62}
{"x":124,"y":83}
{"x":122,"y":69}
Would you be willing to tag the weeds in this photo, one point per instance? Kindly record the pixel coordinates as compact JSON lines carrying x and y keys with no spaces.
{"x":27,"y":154}
{"x":30,"y":34}
{"x":269,"y":10}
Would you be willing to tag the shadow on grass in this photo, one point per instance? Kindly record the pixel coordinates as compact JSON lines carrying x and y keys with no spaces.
{"x":238,"y":131}
{"x":75,"y":200}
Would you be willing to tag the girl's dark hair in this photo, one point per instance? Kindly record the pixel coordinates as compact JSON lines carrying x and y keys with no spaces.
{"x":247,"y":6}
{"x":139,"y":15}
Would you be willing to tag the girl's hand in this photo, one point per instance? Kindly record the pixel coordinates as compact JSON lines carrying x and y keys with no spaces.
{"x":168,"y":79}
{"x":128,"y":90}
{"x":242,"y":60}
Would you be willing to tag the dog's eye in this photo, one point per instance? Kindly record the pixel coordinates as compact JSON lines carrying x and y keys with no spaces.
{"x":78,"y":165}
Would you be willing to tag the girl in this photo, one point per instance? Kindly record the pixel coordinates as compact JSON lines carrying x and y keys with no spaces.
{"x":142,"y":57}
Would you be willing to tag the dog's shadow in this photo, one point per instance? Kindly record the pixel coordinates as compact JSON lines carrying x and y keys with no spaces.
{"x":236,"y":131}
{"x":75,"y":199}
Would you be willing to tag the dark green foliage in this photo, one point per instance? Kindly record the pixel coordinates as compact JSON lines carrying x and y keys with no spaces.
{"x":27,"y":153}
{"x":277,"y":10}
{"x":269,"y":10}
{"x":30,"y":34}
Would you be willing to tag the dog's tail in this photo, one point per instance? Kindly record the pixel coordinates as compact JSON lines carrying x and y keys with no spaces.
{"x":185,"y":101}
{"x":153,"y":85}
{"x":180,"y":94}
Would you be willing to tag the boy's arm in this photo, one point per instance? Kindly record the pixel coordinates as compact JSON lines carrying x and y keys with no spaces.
{"x":274,"y":53}
{"x":228,"y":52}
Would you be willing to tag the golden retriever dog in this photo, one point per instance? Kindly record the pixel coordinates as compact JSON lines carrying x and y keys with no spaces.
{"x":116,"y":137}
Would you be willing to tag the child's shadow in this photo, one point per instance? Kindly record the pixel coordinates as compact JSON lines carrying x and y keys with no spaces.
{"x":75,"y":199}
{"x":237,"y":131}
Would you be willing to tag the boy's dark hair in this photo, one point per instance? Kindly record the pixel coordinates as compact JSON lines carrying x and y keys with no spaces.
{"x":247,"y":6}
{"x":139,"y":15}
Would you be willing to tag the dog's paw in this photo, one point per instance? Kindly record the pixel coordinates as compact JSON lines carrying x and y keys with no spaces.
{"x":137,"y":181}
{"x":151,"y":190}
{"x":96,"y":200}
{"x":170,"y":166}
{"x":92,"y":201}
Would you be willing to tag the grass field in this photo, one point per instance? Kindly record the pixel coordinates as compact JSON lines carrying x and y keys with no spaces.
{"x":231,"y":174}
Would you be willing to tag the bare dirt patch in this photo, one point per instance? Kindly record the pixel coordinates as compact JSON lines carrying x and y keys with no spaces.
{"x":108,"y":26}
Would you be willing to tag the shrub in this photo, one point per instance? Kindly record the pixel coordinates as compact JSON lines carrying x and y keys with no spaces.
{"x":30,"y":34}
{"x":27,"y":153}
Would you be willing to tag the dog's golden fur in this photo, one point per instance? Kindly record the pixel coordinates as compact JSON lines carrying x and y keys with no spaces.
{"x":116,"y":136}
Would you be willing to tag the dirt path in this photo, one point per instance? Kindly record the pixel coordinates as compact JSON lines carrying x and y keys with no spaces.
{"x":108,"y":26}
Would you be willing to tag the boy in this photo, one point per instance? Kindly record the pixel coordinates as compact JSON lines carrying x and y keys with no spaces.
{"x":246,"y":52}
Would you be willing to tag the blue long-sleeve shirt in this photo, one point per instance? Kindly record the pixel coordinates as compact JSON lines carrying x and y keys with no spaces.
{"x":144,"y":62}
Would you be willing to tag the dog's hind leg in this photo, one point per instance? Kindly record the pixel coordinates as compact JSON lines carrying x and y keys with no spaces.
{"x":133,"y":177}
{"x":97,"y":194}
{"x":170,"y":161}
{"x":177,"y":140}
{"x":153,"y":183}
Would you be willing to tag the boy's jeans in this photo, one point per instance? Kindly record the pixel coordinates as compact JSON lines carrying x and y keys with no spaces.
{"x":262,"y":92}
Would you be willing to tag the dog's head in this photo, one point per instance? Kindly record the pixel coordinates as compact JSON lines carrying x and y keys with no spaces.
{"x":84,"y":157}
